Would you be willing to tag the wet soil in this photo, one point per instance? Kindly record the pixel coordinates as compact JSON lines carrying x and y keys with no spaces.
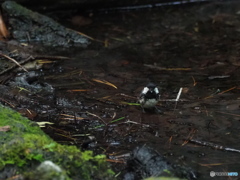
{"x":195,"y":48}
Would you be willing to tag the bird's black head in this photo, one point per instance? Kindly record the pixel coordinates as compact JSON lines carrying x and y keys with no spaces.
{"x":150,"y":91}
{"x":151,"y":86}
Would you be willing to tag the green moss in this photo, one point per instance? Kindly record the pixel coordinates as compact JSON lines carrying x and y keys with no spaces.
{"x":26,"y":145}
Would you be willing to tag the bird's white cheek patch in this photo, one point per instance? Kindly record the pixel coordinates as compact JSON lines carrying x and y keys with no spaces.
{"x":145,"y":90}
{"x":156,"y":90}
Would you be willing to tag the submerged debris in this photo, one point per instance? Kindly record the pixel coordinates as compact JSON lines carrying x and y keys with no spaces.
{"x":29,"y":81}
{"x":146,"y":162}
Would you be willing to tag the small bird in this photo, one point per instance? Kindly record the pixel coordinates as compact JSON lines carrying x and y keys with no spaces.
{"x":149,"y":97}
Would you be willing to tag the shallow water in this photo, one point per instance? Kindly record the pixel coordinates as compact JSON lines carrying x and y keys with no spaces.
{"x":174,"y":48}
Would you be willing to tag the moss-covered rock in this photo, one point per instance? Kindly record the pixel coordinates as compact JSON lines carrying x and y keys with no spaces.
{"x":47,"y":170}
{"x":25,"y":146}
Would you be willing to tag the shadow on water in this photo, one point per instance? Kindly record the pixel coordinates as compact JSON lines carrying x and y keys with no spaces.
{"x":93,"y":95}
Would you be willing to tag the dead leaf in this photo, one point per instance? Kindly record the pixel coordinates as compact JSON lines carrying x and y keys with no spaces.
{"x":3,"y":29}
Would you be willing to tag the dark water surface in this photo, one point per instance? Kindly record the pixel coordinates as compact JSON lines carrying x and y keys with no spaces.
{"x":195,"y":48}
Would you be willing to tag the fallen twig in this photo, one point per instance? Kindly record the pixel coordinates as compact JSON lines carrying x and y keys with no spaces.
{"x":166,"y":69}
{"x":70,"y":117}
{"x":227,"y":90}
{"x":30,"y":58}
{"x":97,"y":117}
{"x":212,"y":145}
{"x":14,"y":66}
{"x":110,"y":122}
{"x":218,"y":77}
{"x":172,"y":100}
{"x":125,"y":95}
{"x":228,"y":113}
{"x":190,"y":136}
{"x":219,"y":93}
{"x":133,"y":122}
{"x":178,"y":96}
{"x":10,"y":104}
{"x":13,"y":60}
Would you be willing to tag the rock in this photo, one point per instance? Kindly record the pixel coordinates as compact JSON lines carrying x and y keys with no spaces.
{"x":146,"y":162}
{"x":29,"y":26}
{"x":47,"y":170}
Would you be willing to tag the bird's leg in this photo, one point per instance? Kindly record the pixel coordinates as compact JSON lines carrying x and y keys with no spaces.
{"x":143,"y":110}
{"x":158,"y":111}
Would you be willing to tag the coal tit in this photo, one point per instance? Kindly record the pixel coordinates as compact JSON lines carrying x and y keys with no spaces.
{"x":149,"y":96}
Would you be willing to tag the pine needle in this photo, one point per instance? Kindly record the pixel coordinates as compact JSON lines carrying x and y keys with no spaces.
{"x":78,"y":90}
{"x":105,"y":82}
{"x":194,"y":81}
{"x":227,"y":90}
{"x":214,"y":164}
{"x":130,"y":104}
